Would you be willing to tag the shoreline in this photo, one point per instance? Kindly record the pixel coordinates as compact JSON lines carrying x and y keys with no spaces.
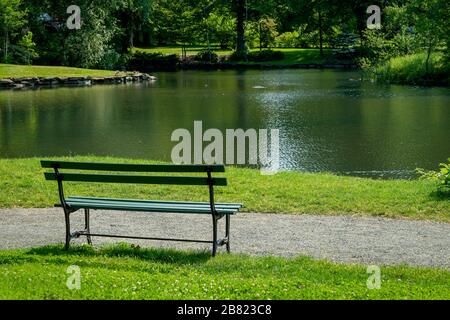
{"x":18,"y":83}
{"x":38,"y":82}
{"x":240,"y":66}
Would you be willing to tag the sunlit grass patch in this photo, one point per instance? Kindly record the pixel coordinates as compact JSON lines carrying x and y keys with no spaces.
{"x":19,"y":71}
{"x":411,"y":69}
{"x":127,"y":272}
{"x":23,"y":185}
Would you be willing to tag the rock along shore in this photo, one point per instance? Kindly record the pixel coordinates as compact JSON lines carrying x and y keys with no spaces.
{"x":35,"y":82}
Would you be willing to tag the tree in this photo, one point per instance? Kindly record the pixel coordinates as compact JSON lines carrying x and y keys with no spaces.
{"x":12,"y":18}
{"x":91,"y":46}
{"x":266,"y":31}
{"x":239,"y":8}
{"x":177,"y":22}
{"x":28,"y":47}
{"x":96,"y":44}
{"x":132,"y":16}
{"x":222,"y":27}
{"x":432,"y":24}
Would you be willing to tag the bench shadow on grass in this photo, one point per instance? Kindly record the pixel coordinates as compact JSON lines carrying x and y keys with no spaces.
{"x":123,"y":250}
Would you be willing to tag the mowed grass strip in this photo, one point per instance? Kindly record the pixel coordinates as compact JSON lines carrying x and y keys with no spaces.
{"x":127,"y":272}
{"x":291,"y":55}
{"x":22,"y":185}
{"x":19,"y":71}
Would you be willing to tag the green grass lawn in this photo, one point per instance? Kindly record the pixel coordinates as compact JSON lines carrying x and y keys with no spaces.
{"x":191,"y":51}
{"x":18,"y":71}
{"x":292,"y":56}
{"x":302,"y":56}
{"x":126,"y":272}
{"x":23,"y":185}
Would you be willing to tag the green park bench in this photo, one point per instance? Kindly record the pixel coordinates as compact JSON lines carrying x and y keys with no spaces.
{"x":111,"y":175}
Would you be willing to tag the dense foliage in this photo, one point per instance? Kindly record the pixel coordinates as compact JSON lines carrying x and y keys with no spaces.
{"x":36,"y":32}
{"x":152,"y":61}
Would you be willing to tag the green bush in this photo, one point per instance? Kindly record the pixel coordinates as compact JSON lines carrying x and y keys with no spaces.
{"x":404,"y":44}
{"x":257,"y":56}
{"x":145,"y":62}
{"x":265,"y":55}
{"x":207,"y":56}
{"x":238,"y":56}
{"x":345,"y":45}
{"x":288,"y":40}
{"x":111,"y":60}
{"x":375,"y":47}
{"x":442,"y":177}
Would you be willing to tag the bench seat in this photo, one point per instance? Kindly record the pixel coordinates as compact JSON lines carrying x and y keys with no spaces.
{"x":150,"y":206}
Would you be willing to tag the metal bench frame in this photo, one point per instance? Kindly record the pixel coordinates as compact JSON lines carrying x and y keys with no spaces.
{"x":68,"y":210}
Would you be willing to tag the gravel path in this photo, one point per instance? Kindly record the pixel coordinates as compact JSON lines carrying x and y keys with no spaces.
{"x":338,"y":238}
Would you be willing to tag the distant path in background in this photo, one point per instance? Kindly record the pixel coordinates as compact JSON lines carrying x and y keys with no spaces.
{"x":338,"y":238}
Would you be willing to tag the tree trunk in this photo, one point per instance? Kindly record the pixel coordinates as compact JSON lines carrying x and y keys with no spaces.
{"x":427,"y":62}
{"x":260,"y":36}
{"x":131,"y":39}
{"x":131,"y":33}
{"x":6,"y":44}
{"x":184,"y":53}
{"x":240,"y":27}
{"x":320,"y":33}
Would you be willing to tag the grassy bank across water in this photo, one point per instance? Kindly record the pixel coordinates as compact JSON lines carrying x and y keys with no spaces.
{"x":292,"y":56}
{"x":22,"y":185}
{"x":22,"y":71}
{"x":126,"y":272}
{"x":411,"y":69}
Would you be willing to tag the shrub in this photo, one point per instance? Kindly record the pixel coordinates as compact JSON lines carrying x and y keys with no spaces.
{"x":288,"y":40}
{"x":146,"y":62}
{"x":261,"y":33}
{"x":442,"y":177}
{"x":265,"y":55}
{"x":258,"y":56}
{"x":345,"y":45}
{"x":207,"y":56}
{"x":238,"y":56}
{"x":110,"y":60}
{"x":404,"y":44}
{"x":375,"y":47}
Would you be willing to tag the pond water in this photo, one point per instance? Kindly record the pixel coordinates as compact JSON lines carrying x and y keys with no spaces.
{"x":328,"y":120}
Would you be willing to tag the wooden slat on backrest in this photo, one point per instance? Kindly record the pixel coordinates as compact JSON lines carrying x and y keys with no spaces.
{"x":118,"y":178}
{"x":131,"y":167}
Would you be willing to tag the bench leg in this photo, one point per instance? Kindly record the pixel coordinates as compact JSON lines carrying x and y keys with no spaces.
{"x":87,"y":225}
{"x":227,"y":231}
{"x":214,"y":250}
{"x":68,"y":235}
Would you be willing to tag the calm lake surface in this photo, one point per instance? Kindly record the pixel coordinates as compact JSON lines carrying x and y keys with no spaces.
{"x":328,"y":120}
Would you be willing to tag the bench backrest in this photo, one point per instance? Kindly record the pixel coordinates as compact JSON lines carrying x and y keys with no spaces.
{"x":58,"y":166}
